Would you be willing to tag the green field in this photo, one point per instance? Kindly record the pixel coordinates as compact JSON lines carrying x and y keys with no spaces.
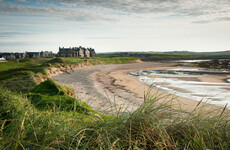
{"x":114,"y":60}
{"x":173,"y":55}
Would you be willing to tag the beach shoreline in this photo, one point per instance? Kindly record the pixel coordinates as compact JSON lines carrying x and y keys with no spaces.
{"x":110,"y":88}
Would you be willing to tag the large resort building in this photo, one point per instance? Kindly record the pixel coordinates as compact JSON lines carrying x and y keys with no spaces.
{"x":76,"y":52}
{"x":63,"y":52}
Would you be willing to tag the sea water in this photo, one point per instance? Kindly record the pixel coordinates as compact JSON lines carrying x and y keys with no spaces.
{"x":171,"y":82}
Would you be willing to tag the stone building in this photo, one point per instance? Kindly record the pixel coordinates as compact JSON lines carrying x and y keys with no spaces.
{"x":76,"y":52}
{"x":87,"y":53}
{"x":92,"y":52}
{"x":20,"y":55}
{"x":66,"y":52}
{"x":80,"y":52}
{"x":47,"y":54}
{"x":32,"y":54}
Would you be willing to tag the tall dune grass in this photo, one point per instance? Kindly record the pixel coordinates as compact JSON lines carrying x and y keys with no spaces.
{"x":151,"y":126}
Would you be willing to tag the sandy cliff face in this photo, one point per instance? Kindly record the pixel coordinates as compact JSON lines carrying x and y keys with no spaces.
{"x":138,"y":61}
{"x":55,"y":71}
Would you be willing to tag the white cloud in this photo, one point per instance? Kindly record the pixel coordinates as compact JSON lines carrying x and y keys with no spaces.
{"x":21,"y":0}
{"x":60,"y":12}
{"x":204,"y":11}
{"x":118,"y":24}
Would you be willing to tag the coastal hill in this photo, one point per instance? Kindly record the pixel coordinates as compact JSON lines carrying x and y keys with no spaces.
{"x":37,"y":112}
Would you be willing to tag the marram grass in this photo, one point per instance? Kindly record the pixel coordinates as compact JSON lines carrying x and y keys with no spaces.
{"x":152,"y":126}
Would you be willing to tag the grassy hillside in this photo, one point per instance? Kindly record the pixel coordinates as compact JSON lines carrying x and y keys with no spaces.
{"x":21,"y":76}
{"x":50,"y":94}
{"x":47,"y":116}
{"x":23,"y":126}
{"x":152,"y":126}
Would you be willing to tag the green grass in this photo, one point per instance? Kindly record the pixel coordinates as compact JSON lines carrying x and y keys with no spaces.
{"x":52,"y":88}
{"x":114,"y":60}
{"x":152,"y":126}
{"x":49,"y":87}
{"x":23,"y":126}
{"x":20,"y":80}
{"x":50,"y":94}
{"x":12,"y":65}
{"x":35,"y":61}
{"x":100,"y":60}
{"x":46,"y":117}
{"x":20,"y":84}
{"x":23,"y":63}
{"x":172,"y":55}
{"x":20,"y":76}
{"x":34,"y":65}
{"x":14,"y":73}
{"x":61,"y":102}
{"x":71,"y":60}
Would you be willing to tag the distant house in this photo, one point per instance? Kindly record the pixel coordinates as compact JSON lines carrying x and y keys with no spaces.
{"x":19,"y":55}
{"x":2,"y":59}
{"x":126,"y":54}
{"x":47,"y":54}
{"x":76,"y":52}
{"x":7,"y":55}
{"x":32,"y":54}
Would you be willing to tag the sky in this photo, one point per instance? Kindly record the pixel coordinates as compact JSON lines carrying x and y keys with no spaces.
{"x":115,"y":25}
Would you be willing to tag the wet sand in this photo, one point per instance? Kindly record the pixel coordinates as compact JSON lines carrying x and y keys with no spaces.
{"x":109,"y":88}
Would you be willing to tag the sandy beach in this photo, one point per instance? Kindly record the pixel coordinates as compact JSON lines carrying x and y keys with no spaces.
{"x":110,"y":88}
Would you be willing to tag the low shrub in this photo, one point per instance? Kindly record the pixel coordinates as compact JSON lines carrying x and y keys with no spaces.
{"x":49,"y":95}
{"x":49,"y":87}
{"x":59,"y":102}
{"x":12,"y":105}
{"x":20,"y":84}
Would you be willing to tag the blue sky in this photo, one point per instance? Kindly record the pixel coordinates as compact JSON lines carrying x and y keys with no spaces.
{"x":115,"y":25}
